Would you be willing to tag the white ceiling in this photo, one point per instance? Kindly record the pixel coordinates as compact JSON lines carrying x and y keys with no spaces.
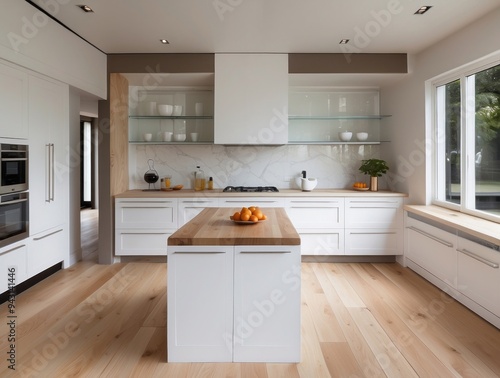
{"x":314,"y":26}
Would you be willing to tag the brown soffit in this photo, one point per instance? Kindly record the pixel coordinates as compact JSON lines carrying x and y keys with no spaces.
{"x":161,"y":63}
{"x":347,"y":63}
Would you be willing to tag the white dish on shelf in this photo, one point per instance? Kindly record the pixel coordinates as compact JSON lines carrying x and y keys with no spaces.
{"x":177,"y":110}
{"x":345,"y":136}
{"x":165,"y":109}
{"x":147,"y":137}
{"x":179,"y":137}
{"x":362,"y":136}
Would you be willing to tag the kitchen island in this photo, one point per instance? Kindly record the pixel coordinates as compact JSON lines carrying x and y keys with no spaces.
{"x":234,"y":289}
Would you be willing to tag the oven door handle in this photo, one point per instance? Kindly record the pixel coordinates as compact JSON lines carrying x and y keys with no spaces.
{"x":13,"y":202}
{"x":14,"y":159}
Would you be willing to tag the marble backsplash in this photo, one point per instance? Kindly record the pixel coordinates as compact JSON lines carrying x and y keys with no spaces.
{"x":335,"y":166}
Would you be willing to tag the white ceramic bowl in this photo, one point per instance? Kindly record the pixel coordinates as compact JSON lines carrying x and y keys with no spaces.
{"x":165,"y":110}
{"x":147,"y":137}
{"x":177,"y":110}
{"x":361,"y":136}
{"x":345,"y":136}
{"x":179,"y":137}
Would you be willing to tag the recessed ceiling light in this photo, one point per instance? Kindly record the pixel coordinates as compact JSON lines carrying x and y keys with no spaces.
{"x":344,"y":41}
{"x":164,"y":41}
{"x":423,"y":9}
{"x":86,"y":8}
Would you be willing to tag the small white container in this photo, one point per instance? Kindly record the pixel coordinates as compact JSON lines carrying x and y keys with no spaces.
{"x":167,"y":136}
{"x":194,"y":137}
{"x":345,"y":136}
{"x":362,"y":136}
{"x":147,"y":137}
{"x":308,"y":184}
{"x":179,"y":137}
{"x":177,"y":110}
{"x":165,"y":109}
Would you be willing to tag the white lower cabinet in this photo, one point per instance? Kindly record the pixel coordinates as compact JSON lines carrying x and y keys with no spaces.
{"x":14,"y":257}
{"x":200,"y":303}
{"x":143,"y":225}
{"x":320,"y":224}
{"x":374,"y":226}
{"x":47,"y":249}
{"x":233,"y":303}
{"x":190,"y":207}
{"x":266,"y":304}
{"x":479,"y":272}
{"x":433,"y":249}
{"x":464,"y":266}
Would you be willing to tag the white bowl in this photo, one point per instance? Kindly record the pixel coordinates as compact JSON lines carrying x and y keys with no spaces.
{"x":165,"y":110}
{"x":147,"y":137}
{"x":177,"y":110}
{"x":179,"y":137}
{"x":345,"y":136}
{"x":362,"y":136}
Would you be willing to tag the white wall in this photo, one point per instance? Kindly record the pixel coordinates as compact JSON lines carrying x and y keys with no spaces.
{"x":405,"y":100}
{"x":32,"y":40}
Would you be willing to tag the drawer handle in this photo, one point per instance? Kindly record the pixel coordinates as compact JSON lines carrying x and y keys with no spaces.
{"x":46,"y":236}
{"x":444,"y":242}
{"x":266,"y":252}
{"x":478,"y":258}
{"x":198,"y":253}
{"x":13,"y":249}
{"x":373,"y":233}
{"x":313,"y":202}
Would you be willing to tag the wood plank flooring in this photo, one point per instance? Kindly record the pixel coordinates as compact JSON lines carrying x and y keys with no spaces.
{"x":358,"y":320}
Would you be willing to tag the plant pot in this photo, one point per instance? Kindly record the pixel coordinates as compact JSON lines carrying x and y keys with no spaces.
{"x":374,"y":184}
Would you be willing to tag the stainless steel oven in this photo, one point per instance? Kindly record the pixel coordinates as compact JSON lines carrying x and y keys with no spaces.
{"x":14,"y":213}
{"x":13,"y":168}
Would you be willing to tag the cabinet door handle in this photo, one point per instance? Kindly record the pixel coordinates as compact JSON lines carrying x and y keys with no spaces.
{"x":198,"y":253}
{"x":265,"y":252}
{"x":52,"y":172}
{"x":46,"y":236}
{"x":13,"y":249}
{"x":435,"y":238}
{"x":478,"y":258}
{"x":47,"y":173}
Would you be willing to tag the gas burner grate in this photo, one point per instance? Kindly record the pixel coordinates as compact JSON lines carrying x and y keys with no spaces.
{"x":250,"y":189}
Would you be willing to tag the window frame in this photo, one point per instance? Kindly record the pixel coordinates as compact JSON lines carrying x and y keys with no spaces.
{"x":467,"y":148}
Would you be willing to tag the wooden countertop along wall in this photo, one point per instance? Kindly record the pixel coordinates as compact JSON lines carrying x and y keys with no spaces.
{"x":213,"y":227}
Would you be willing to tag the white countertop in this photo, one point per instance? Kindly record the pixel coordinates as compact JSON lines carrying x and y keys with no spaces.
{"x":216,"y":193}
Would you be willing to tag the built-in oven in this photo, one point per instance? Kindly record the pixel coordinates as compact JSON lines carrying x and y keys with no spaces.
{"x":13,"y":168}
{"x":14,"y":213}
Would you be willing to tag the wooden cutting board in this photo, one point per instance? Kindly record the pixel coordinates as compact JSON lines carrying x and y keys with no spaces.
{"x":213,"y":227}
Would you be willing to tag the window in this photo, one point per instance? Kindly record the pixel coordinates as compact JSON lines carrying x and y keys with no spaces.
{"x":467,"y":135}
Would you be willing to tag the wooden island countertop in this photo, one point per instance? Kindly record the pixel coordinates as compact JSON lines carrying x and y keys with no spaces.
{"x":213,"y":227}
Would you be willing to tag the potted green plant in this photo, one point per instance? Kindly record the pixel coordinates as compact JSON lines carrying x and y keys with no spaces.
{"x":375,"y":168}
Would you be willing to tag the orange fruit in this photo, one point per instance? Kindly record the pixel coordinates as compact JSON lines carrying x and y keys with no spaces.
{"x":258,"y":214}
{"x":253,"y":218}
{"x":245,"y":216}
{"x":264,"y":217}
{"x":236,"y":216}
{"x":252,"y":208}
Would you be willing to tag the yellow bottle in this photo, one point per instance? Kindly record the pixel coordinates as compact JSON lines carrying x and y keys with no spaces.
{"x":199,"y":179}
{"x":210,"y":183}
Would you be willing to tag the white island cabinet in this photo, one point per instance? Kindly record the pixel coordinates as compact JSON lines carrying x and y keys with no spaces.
{"x":142,"y":225}
{"x":234,"y":290}
{"x":251,"y":99}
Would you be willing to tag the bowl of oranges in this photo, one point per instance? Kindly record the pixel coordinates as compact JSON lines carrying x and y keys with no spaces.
{"x":360,"y":186}
{"x":248,"y":215}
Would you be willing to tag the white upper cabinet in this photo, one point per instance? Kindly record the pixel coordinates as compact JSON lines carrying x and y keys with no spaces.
{"x":13,"y":103}
{"x":251,"y":98}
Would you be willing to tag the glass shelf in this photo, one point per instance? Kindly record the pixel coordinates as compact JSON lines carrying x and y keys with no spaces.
{"x":334,"y":117}
{"x":332,"y":142}
{"x":169,"y":117}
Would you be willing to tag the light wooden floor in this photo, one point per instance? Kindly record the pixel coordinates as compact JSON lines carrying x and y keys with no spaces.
{"x":358,"y":320}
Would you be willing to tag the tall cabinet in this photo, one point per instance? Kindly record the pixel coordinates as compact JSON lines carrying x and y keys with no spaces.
{"x":49,"y":173}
